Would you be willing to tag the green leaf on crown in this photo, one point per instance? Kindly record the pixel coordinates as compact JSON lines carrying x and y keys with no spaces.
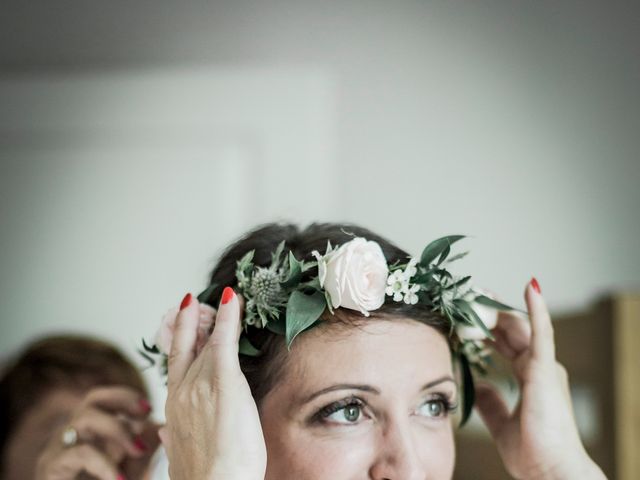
{"x":438,"y":247}
{"x":458,"y":283}
{"x":490,"y":302}
{"x":246,"y":260}
{"x":275,"y":256}
{"x":467,"y":311}
{"x":278,"y":326}
{"x":245,"y":348}
{"x":296,"y":268}
{"x":302,"y":312}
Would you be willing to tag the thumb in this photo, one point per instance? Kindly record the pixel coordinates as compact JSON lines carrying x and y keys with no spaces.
{"x":492,"y":408}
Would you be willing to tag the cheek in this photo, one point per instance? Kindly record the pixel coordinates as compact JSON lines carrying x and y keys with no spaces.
{"x":438,"y":453}
{"x":303,"y":455}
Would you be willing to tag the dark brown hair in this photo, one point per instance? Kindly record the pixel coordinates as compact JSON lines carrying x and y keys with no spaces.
{"x":75,"y":363}
{"x":263,"y":371}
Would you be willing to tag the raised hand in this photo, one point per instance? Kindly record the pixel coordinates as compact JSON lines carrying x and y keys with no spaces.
{"x":539,"y":438}
{"x":103,"y":438}
{"x":213,"y":429}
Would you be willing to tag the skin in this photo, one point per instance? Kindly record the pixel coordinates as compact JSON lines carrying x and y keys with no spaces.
{"x":401,"y":431}
{"x":34,"y":432}
{"x":107,"y":420}
{"x":214,"y":429}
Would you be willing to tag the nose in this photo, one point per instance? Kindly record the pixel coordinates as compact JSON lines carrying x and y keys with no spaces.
{"x":398,"y":455}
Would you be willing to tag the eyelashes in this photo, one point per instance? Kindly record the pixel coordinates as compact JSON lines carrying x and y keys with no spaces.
{"x":438,"y":406}
{"x":334,"y":407}
{"x":447,"y":406}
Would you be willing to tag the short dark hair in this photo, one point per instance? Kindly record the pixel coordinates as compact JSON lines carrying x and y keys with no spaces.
{"x":59,"y":362}
{"x":263,"y":371}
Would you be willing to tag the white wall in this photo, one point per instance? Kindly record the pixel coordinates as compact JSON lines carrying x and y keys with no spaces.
{"x":513,"y":122}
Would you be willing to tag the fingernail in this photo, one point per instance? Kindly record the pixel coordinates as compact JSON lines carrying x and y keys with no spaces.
{"x":140,"y":445}
{"x":185,"y":301}
{"x":535,"y":284}
{"x":145,"y":405}
{"x":227,"y":295}
{"x":121,"y":477}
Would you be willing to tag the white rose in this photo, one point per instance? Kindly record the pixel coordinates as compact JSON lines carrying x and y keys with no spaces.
{"x":488,"y":315}
{"x":354,"y":275}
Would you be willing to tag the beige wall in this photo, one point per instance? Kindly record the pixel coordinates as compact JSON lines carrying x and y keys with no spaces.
{"x":512,"y":122}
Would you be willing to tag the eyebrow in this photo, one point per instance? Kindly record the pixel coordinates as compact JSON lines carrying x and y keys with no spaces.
{"x":369,"y":388}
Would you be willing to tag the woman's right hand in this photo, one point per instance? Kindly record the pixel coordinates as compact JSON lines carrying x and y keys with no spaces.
{"x":213,"y":429}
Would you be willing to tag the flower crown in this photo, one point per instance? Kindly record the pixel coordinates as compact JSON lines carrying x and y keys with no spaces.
{"x":355,"y":276}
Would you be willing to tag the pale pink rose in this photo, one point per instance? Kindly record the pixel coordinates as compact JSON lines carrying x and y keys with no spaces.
{"x":164,"y":336}
{"x":488,"y":315}
{"x":354,"y":275}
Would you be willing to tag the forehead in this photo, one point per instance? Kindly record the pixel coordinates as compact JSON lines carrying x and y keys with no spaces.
{"x":394,"y":353}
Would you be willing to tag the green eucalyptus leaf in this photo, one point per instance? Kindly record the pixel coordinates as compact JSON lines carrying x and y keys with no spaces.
{"x":457,"y":256}
{"x":302,"y":312}
{"x":468,"y":312}
{"x":313,"y":284}
{"x":437,"y":247}
{"x":275,"y":256}
{"x":308,"y":265}
{"x":295,"y":272}
{"x":490,"y":302}
{"x":245,"y":348}
{"x":327,"y":299}
{"x":462,"y":319}
{"x":459,"y":283}
{"x":246,"y":260}
{"x":150,"y":348}
{"x":278,"y":326}
{"x":443,"y":256}
{"x":147,"y":357}
{"x":468,"y":390}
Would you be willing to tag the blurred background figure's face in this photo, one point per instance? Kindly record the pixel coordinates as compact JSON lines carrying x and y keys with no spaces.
{"x":367,"y":402}
{"x":44,"y":419}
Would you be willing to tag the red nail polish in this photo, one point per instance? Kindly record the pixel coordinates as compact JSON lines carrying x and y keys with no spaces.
{"x":145,"y":405}
{"x":121,"y":477}
{"x":185,"y":301}
{"x":227,"y":295}
{"x":535,"y":284}
{"x":140,"y":445}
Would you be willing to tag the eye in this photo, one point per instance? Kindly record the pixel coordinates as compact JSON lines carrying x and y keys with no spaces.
{"x":437,"y":408}
{"x":348,"y":414}
{"x":345,"y":412}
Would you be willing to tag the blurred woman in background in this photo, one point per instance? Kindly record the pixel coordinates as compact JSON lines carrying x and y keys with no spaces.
{"x":74,"y":407}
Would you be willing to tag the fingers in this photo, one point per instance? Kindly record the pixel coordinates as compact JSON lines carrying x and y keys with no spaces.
{"x":226,"y":332}
{"x":221,"y":351}
{"x":184,"y":341}
{"x":513,"y":331}
{"x":71,"y":462}
{"x":492,"y":408}
{"x":563,"y":380}
{"x":103,"y":429}
{"x":542,"y":340}
{"x":118,"y":399}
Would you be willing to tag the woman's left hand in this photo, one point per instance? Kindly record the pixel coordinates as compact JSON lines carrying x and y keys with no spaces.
{"x":539,"y":439}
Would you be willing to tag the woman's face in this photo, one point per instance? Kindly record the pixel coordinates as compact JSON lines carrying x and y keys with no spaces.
{"x":363,"y":403}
